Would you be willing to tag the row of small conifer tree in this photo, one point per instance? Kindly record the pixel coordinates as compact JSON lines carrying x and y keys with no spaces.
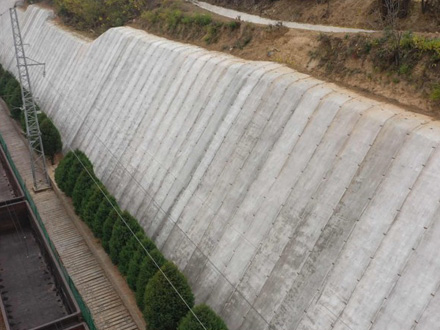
{"x":162,"y":308}
{"x":10,"y":92}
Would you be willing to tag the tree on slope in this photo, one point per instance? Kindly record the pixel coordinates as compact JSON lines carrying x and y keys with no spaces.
{"x":122,"y":232}
{"x":80,"y":162}
{"x":147,"y":270}
{"x":107,"y":228}
{"x":62,"y":170}
{"x":163,"y":306}
{"x":51,"y":139}
{"x":206,"y":316}
{"x":102,"y":213}
{"x":136,"y":260}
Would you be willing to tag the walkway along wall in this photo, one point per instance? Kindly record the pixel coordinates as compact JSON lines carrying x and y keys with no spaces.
{"x":288,"y":202}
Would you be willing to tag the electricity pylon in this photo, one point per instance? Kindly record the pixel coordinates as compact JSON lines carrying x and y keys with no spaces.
{"x":33,"y":134}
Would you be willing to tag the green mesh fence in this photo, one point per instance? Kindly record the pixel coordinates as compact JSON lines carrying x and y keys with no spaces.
{"x":82,"y":305}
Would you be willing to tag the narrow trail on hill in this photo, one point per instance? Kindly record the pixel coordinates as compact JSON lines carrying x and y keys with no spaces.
{"x":230,"y":13}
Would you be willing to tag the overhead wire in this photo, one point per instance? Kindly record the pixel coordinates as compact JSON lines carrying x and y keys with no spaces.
{"x":169,"y":217}
{"x":153,"y":200}
{"x":136,"y":237}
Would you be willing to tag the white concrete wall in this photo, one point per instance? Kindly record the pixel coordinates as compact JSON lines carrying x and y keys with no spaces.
{"x":288,"y":202}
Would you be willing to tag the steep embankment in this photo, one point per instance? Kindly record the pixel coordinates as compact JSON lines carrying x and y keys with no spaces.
{"x":288,"y":202}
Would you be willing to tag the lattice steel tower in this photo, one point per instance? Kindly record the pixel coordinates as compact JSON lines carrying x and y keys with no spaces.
{"x":38,"y":160}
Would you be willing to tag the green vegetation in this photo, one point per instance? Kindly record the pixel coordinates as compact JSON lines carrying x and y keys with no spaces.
{"x":51,"y":138}
{"x":83,"y":185}
{"x":74,"y":171}
{"x":103,"y":211}
{"x":62,"y":170}
{"x":128,"y":250}
{"x":107,"y":229}
{"x":163,"y":307}
{"x":10,"y":92}
{"x":99,"y":15}
{"x":121,"y":234}
{"x":90,"y":204}
{"x":435,"y":93}
{"x":170,"y":18}
{"x":397,"y":61}
{"x":146,"y":271}
{"x":133,"y":269}
{"x":206,"y":316}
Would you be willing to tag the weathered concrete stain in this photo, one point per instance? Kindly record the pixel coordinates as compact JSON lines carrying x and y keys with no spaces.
{"x":289,"y":203}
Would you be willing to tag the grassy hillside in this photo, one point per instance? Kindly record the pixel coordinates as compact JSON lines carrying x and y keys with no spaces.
{"x":350,"y":13}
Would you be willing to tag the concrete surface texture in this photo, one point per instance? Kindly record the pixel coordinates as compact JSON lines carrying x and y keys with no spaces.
{"x":288,"y":202}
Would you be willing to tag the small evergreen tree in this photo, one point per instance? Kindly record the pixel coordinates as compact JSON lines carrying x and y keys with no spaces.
{"x":136,"y":259}
{"x":51,"y":139}
{"x":103,"y":211}
{"x":206,"y":316}
{"x":121,"y":234}
{"x":62,"y":170}
{"x":133,"y":269}
{"x":163,"y":306}
{"x":15,"y":102}
{"x":10,"y":88}
{"x":80,"y":163}
{"x":127,"y":252}
{"x":146,"y":271}
{"x":82,"y":190}
{"x":107,"y":228}
{"x":90,"y":204}
{"x":6,"y":77}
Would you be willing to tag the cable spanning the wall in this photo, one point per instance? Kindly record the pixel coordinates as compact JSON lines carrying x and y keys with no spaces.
{"x":169,"y":217}
{"x":135,"y":236}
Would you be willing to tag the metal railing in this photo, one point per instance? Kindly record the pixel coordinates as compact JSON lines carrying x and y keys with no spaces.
{"x":87,"y":316}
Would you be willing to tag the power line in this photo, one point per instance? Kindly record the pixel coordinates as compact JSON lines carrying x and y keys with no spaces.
{"x":169,"y":217}
{"x":137,"y":239}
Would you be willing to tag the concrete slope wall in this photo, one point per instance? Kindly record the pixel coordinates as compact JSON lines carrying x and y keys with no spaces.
{"x":288,"y":202}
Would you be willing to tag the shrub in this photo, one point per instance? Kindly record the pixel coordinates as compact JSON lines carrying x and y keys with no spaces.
{"x":102,"y":213}
{"x":79,"y":163}
{"x":121,"y":234}
{"x":128,"y":251}
{"x":83,"y":185}
{"x":51,"y":138}
{"x":15,"y":102}
{"x":146,"y":271}
{"x":435,"y":93}
{"x":133,"y":269}
{"x":163,"y":307}
{"x":62,"y":170}
{"x":136,"y":259}
{"x":233,"y":25}
{"x":202,"y":19}
{"x":90,"y":204}
{"x":6,"y":77}
{"x":207,"y":317}
{"x":173,"y":18}
{"x":212,"y":33}
{"x":107,"y":228}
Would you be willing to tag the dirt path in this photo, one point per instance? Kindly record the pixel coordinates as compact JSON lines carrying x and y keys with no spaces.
{"x":230,"y":13}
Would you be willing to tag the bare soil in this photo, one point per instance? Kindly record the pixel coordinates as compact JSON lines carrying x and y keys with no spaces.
{"x":2,"y":323}
{"x":347,"y":13}
{"x":294,"y":48}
